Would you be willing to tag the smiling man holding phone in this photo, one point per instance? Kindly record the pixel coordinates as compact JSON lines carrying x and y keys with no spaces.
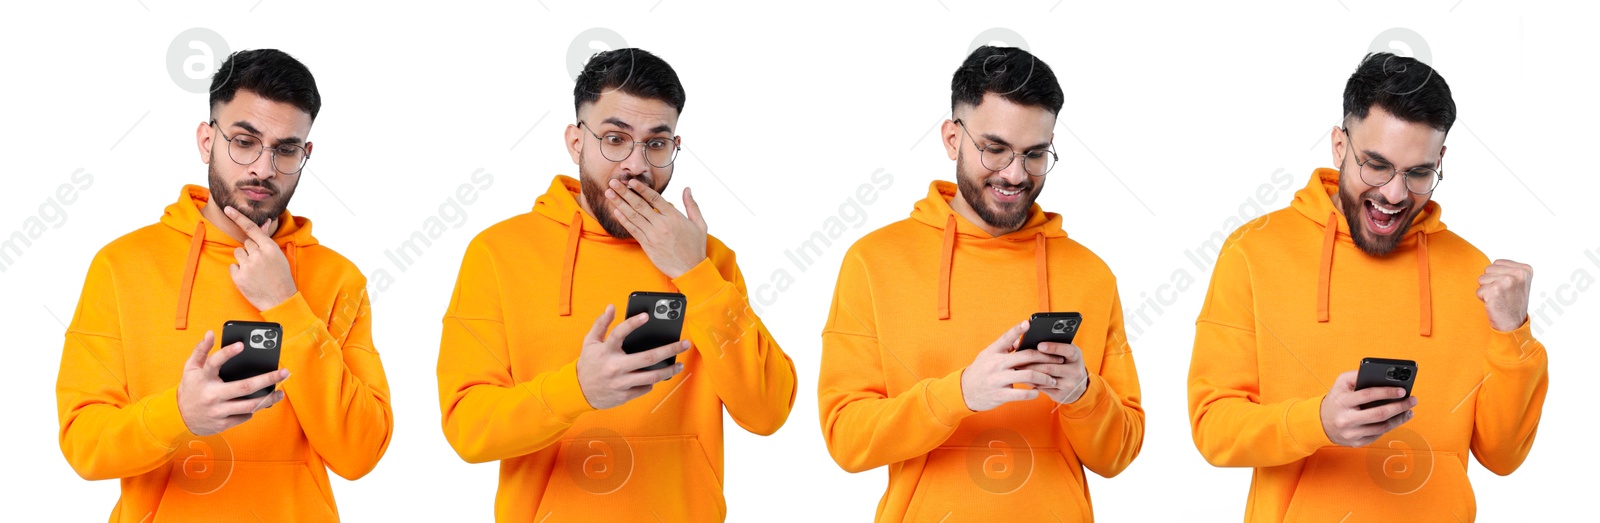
{"x":1361,"y":270}
{"x":921,"y":367}
{"x":141,"y":394}
{"x":533,"y":368}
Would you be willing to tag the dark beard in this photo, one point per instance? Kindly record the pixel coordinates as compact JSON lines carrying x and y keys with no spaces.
{"x":972,"y":190}
{"x":226,"y":196}
{"x":595,"y":195}
{"x":1355,"y":212}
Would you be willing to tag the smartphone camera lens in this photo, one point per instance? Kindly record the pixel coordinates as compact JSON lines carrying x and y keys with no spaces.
{"x":255,"y":338}
{"x":661,"y":309}
{"x":672,"y":315}
{"x":1059,"y":326}
{"x":272,"y":344}
{"x":272,"y":335}
{"x":1398,"y":374}
{"x":1072,"y":324}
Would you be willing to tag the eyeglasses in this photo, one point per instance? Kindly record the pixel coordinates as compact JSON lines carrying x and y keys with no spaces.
{"x":996,"y":157}
{"x":245,"y":149}
{"x":1419,"y":180}
{"x":617,"y":146}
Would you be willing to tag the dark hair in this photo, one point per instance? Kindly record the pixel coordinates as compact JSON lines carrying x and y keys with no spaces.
{"x":270,"y":74}
{"x":1012,"y":73}
{"x":1402,"y":86}
{"x":631,"y":70}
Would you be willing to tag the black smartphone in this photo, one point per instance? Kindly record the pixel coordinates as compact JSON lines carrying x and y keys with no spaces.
{"x":1054,"y":327}
{"x":1380,"y":372}
{"x":262,"y":343}
{"x":664,"y":327}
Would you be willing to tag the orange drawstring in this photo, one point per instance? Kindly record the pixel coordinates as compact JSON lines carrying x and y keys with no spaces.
{"x":1424,"y":286}
{"x":945,"y":259}
{"x":290,"y":252}
{"x":186,"y":286}
{"x":564,"y":298}
{"x":1325,"y":273}
{"x":1424,"y":281}
{"x":1042,"y":262}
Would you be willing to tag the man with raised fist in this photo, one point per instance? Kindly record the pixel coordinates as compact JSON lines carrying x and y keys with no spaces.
{"x":1360,"y":265}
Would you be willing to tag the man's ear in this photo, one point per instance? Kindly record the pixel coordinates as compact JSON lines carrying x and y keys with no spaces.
{"x":202,"y":141}
{"x":950,"y":136}
{"x":574,"y":138}
{"x":1338,"y":144}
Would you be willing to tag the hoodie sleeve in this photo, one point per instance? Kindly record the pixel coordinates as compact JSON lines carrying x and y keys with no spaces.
{"x":749,"y":372}
{"x":487,"y":414}
{"x":1230,"y":424}
{"x":863,"y":426}
{"x":1105,"y":426}
{"x":1510,"y":399}
{"x":106,"y":431}
{"x":336,"y":381}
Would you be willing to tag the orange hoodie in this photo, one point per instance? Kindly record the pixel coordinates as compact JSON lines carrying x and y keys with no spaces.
{"x":905,"y":323}
{"x":1294,"y":303}
{"x":530,"y":288}
{"x":117,"y":390}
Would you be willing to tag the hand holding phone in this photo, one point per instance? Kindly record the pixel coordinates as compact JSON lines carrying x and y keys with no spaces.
{"x":1355,"y":414}
{"x":208,"y":404}
{"x":1379,"y":372}
{"x":663,"y":324}
{"x":1054,"y":327}
{"x":610,"y":376}
{"x":261,"y":342}
{"x":1052,"y":333}
{"x":990,"y":380}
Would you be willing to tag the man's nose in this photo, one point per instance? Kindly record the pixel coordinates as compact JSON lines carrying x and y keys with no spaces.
{"x":1395,"y":192}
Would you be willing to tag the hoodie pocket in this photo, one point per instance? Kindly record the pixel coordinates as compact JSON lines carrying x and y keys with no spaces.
{"x":989,"y":484}
{"x":243,"y":491}
{"x":1382,"y":482}
{"x":600,"y":476}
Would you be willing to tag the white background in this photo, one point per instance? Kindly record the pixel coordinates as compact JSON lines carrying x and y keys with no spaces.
{"x":1175,"y":114}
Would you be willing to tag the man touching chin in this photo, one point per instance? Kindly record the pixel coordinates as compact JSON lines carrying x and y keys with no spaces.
{"x":139,"y":394}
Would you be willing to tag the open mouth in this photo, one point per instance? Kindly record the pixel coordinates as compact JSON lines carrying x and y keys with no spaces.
{"x":1382,"y":218}
{"x":1006,"y":194}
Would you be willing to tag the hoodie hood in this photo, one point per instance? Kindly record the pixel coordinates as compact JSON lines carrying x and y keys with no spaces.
{"x":293,"y":234}
{"x":935,"y":211}
{"x":1315,"y":202}
{"x":560,"y":204}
